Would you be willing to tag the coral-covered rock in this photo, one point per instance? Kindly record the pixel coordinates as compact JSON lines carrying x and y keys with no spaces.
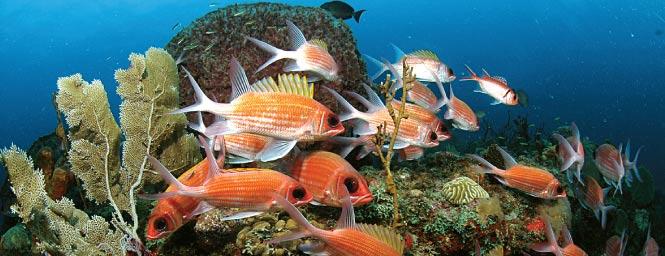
{"x":211,"y":41}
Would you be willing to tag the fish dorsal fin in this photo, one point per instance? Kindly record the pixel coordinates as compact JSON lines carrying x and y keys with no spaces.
{"x":384,"y":234}
{"x":319,"y":43}
{"x":347,"y":219}
{"x":576,"y":133}
{"x":399,"y":54}
{"x":239,"y":82}
{"x":500,"y":78}
{"x":286,"y":83}
{"x":508,"y":160}
{"x":373,"y":97}
{"x":486,"y":73}
{"x":297,"y":38}
{"x":425,"y":54}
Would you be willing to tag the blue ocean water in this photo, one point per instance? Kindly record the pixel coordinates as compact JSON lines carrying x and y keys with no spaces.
{"x":598,"y":63}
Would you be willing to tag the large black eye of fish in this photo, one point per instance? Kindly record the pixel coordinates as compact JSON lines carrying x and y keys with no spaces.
{"x":433,"y":136}
{"x":559,"y":190}
{"x":351,"y":184}
{"x":160,"y":224}
{"x":450,"y":72}
{"x":299,"y":193}
{"x":333,"y":121}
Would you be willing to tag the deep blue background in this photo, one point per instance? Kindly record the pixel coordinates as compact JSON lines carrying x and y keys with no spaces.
{"x":599,"y":63}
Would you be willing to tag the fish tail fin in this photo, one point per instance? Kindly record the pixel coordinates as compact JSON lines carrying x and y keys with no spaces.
{"x":356,"y":15}
{"x":203,"y":103}
{"x":383,"y":68}
{"x":472,"y":75}
{"x":603,"y":214}
{"x":634,"y":165}
{"x":486,"y":167}
{"x":349,"y":144}
{"x":569,"y":157}
{"x":349,"y":111}
{"x":551,"y":244}
{"x":306,"y":228}
{"x":277,"y":54}
{"x":181,"y":189}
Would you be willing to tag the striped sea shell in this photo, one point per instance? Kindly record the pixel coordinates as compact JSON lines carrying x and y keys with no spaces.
{"x":463,"y":190}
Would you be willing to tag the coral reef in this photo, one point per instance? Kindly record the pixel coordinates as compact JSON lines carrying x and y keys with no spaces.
{"x":209,"y":42}
{"x":463,"y":190}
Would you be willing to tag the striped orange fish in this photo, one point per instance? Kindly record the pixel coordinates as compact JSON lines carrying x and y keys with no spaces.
{"x":426,"y":116}
{"x":650,"y":245}
{"x":426,"y":65}
{"x":245,"y":147}
{"x":592,"y":197}
{"x":551,"y":245}
{"x":171,"y":213}
{"x":533,"y":181}
{"x":250,"y":189}
{"x":348,"y":238}
{"x":615,"y":245}
{"x":308,"y":56}
{"x":571,"y":152}
{"x":323,"y":174}
{"x":494,"y":86}
{"x":460,"y":113}
{"x":410,"y":153}
{"x":420,"y":95}
{"x":288,"y":114}
{"x":610,"y":164}
{"x":411,"y":131}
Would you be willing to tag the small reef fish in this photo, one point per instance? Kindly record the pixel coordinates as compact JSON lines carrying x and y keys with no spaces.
{"x":342,"y":10}
{"x":592,"y":197}
{"x":171,"y":213}
{"x":650,"y":246}
{"x":610,"y":164}
{"x":308,"y":56}
{"x":424,"y":64}
{"x":252,"y":190}
{"x":631,"y":166}
{"x":411,"y":131}
{"x":410,"y":153}
{"x":533,"y":181}
{"x":348,"y":237}
{"x":460,"y":113}
{"x":615,"y":245}
{"x":323,"y":174}
{"x":175,"y":26}
{"x":494,"y":86}
{"x":571,"y":152}
{"x":569,"y":248}
{"x":288,"y":115}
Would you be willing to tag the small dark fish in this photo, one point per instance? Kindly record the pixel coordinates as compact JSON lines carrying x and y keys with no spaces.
{"x":342,"y":10}
{"x":175,"y":26}
{"x":523,"y":99}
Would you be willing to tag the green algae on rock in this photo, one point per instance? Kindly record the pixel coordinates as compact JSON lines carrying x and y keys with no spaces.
{"x":463,"y":190}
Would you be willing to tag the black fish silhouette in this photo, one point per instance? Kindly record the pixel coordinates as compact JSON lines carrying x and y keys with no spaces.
{"x":342,"y":10}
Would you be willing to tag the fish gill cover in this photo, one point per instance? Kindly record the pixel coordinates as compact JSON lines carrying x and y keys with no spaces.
{"x":99,"y":213}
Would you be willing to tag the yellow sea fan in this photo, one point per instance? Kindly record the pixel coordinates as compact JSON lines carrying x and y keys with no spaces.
{"x":463,"y":190}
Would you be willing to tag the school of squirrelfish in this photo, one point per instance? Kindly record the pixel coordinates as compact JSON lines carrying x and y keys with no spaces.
{"x":265,"y":120}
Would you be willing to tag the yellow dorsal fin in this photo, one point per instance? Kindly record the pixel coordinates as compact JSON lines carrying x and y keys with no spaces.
{"x":384,"y":234}
{"x":286,"y":83}
{"x":319,"y":43}
{"x":425,"y":54}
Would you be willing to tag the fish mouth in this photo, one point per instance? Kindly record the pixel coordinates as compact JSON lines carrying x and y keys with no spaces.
{"x":361,"y":200}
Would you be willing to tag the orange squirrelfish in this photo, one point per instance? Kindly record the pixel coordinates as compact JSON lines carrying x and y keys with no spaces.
{"x":308,"y":56}
{"x":426,"y":65}
{"x":650,"y":245}
{"x":533,"y":181}
{"x":288,"y":113}
{"x":569,"y":248}
{"x":348,"y":238}
{"x":571,"y":152}
{"x":410,"y":153}
{"x":494,"y":86}
{"x":411,"y":131}
{"x":615,"y":245}
{"x":323,"y":174}
{"x":592,"y":197}
{"x":252,"y":190}
{"x":610,"y":164}
{"x":460,"y":113}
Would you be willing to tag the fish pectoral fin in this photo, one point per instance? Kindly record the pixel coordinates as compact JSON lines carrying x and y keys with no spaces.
{"x":241,"y":215}
{"x":233,"y":159}
{"x":276,"y":150}
{"x":203,"y":207}
{"x":398,"y":145}
{"x":313,"y":202}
